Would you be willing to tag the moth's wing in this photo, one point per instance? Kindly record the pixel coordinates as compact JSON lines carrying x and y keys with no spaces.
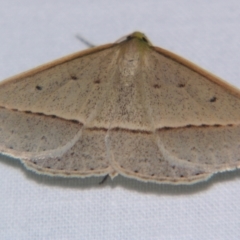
{"x":71,"y":88}
{"x":180,"y":155}
{"x":180,"y":93}
{"x":196,"y":118}
{"x":53,"y":145}
{"x":44,"y":113}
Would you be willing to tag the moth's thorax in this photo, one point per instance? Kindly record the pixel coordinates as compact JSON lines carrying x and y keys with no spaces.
{"x":130,"y":59}
{"x":128,"y":63}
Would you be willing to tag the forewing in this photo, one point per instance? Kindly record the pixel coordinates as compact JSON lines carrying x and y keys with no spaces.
{"x":179,"y":95}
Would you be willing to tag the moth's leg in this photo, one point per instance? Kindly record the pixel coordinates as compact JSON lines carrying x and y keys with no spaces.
{"x":104,"y":180}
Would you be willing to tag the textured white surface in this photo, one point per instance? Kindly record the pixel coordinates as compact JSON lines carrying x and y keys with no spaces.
{"x":38,"y":207}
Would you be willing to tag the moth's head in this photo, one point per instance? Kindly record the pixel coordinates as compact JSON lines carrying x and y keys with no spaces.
{"x":135,"y":35}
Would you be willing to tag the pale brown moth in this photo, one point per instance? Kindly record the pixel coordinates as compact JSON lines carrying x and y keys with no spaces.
{"x":125,"y":108}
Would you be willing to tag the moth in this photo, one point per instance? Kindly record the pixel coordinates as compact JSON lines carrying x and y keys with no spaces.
{"x":125,"y":108}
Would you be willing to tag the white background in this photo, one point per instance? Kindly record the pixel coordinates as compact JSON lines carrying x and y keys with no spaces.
{"x":39,"y":207}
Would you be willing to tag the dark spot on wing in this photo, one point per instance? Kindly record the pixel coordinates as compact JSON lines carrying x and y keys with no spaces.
{"x":181,"y":85}
{"x":156,"y":86}
{"x":213,"y":99}
{"x":73,"y":77}
{"x":97,"y":81}
{"x":38,"y":87}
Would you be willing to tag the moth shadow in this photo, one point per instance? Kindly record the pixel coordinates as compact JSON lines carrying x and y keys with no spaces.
{"x":121,"y":181}
{"x":57,"y":181}
{"x":171,"y":189}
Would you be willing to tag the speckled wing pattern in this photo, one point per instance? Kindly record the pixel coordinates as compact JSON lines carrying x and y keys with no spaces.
{"x":126,"y":108}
